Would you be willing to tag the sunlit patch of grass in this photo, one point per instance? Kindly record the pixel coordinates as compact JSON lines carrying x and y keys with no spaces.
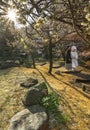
{"x":11,"y":93}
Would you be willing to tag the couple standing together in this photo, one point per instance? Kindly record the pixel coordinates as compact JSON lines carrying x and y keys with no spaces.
{"x":71,"y":58}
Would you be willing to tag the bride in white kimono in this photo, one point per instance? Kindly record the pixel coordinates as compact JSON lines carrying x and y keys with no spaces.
{"x":74,"y":57}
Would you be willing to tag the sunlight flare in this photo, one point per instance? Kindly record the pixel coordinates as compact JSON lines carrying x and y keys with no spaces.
{"x":12,"y":14}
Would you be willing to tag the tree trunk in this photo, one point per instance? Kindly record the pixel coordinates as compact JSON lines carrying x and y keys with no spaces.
{"x":33,"y":60}
{"x":50,"y":57}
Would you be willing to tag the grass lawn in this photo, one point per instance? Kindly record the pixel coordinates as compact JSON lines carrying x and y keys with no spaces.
{"x":73,"y":104}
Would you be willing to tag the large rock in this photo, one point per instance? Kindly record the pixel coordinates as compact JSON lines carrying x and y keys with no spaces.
{"x":32,"y":97}
{"x":58,"y":72}
{"x":34,"y":118}
{"x":29,"y":83}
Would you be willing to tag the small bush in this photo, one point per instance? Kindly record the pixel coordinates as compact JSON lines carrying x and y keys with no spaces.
{"x":51,"y":103}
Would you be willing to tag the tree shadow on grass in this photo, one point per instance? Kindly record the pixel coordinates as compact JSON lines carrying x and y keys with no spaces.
{"x":72,"y":86}
{"x":63,"y":93}
{"x":82,"y":75}
{"x":5,"y":71}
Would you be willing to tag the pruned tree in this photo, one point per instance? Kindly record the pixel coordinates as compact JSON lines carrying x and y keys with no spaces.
{"x":71,"y":15}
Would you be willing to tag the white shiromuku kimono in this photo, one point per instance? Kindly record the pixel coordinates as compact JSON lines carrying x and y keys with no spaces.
{"x":74,"y":56}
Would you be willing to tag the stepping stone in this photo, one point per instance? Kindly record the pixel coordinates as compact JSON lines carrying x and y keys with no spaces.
{"x":58,"y":72}
{"x":29,"y":83}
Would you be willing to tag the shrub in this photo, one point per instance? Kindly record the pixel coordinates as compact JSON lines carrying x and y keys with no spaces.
{"x":51,"y":103}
